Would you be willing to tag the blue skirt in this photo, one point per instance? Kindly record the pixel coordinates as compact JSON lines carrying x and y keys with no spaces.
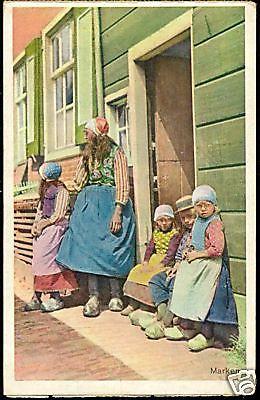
{"x":223,"y":308}
{"x":88,"y":245}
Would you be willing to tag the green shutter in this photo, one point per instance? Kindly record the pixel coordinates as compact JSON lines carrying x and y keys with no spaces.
{"x":34,"y":98}
{"x":84,"y":72}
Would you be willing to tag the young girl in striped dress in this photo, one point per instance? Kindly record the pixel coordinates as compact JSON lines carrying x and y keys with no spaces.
{"x":48,"y":229}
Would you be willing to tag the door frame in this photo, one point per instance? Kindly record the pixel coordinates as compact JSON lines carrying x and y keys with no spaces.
{"x":148,"y":48}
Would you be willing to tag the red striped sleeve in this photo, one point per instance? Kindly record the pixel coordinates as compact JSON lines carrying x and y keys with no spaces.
{"x":61,"y":205}
{"x":121,"y":177}
{"x":81,"y":175}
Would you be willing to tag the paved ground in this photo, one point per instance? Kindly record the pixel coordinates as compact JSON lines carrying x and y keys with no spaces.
{"x":47,"y":349}
{"x":65,"y":345}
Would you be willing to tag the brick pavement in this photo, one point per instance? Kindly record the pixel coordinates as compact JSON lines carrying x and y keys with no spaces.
{"x":47,"y":349}
{"x":113,"y":335}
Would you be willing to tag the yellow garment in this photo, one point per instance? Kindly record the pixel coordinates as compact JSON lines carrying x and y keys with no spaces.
{"x":162,"y":240}
{"x":137,"y":274}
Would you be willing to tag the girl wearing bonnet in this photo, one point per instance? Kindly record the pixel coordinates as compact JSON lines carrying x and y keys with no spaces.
{"x":48,"y":229}
{"x":202,"y":288}
{"x":100,"y":240}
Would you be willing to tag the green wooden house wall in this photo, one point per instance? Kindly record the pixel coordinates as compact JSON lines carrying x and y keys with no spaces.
{"x":219,"y":68}
{"x":122,"y":28}
{"x":219,"y":104}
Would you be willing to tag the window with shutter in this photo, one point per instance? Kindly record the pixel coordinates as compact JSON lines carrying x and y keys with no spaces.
{"x":84,"y":69}
{"x":20,"y":113}
{"x":30,"y":99}
{"x":62,"y":78}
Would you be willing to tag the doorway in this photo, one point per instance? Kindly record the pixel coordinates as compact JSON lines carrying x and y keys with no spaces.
{"x":170,"y":123}
{"x":144,"y":114}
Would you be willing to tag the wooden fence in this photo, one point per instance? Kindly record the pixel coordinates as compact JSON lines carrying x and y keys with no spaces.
{"x":24,"y":214}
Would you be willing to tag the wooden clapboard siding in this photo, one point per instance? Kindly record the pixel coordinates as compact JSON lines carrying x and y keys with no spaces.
{"x":238,"y":275}
{"x":116,"y":70}
{"x":209,"y":21}
{"x":110,"y":15}
{"x":221,"y":55}
{"x":229,"y":184}
{"x":235,"y":229}
{"x":117,"y":86}
{"x":124,"y":31}
{"x":220,"y":99}
{"x":221,"y":144}
{"x":219,"y":106}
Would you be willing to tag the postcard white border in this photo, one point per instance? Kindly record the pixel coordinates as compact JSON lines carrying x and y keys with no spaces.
{"x":124,"y":388}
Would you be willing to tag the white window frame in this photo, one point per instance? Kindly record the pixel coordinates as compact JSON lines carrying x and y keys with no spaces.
{"x":51,"y":152}
{"x":112,"y":117}
{"x":60,"y":72}
{"x":20,"y":98}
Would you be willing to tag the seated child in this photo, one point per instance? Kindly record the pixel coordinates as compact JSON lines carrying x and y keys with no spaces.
{"x":48,"y":230}
{"x":161,"y":284}
{"x":160,"y":253}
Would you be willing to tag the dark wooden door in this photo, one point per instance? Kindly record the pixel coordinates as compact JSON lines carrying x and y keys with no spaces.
{"x":170,"y":98}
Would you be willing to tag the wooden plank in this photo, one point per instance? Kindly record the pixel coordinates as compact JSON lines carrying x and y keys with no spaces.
{"x":136,"y":26}
{"x":220,"y":55}
{"x":220,"y":99}
{"x":25,"y":227}
{"x":25,"y":214}
{"x":23,"y":239}
{"x":229,"y":184}
{"x":235,"y":230}
{"x":221,"y":144}
{"x":116,"y":70}
{"x":22,"y":246}
{"x":117,"y":86}
{"x":209,"y":21}
{"x":28,"y":260}
{"x":23,"y":252}
{"x":24,"y":220}
{"x":238,"y":276}
{"x":22,"y":235}
{"x":109,"y":15}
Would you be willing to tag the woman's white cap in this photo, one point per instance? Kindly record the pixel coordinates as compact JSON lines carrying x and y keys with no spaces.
{"x":164,"y":210}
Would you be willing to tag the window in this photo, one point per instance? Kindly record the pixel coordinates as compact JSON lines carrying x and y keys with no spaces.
{"x":123,"y":128}
{"x":20,"y":114}
{"x":63,"y":87}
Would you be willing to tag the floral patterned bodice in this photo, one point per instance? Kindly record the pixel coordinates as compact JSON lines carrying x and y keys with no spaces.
{"x":103,"y":173}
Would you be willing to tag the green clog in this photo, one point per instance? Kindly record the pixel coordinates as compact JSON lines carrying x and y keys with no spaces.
{"x":92,"y":307}
{"x":155,"y":331}
{"x":52,"y":305}
{"x":200,"y":342}
{"x":136,"y":315}
{"x":33,"y":305}
{"x":174,"y":333}
{"x":127,"y":310}
{"x":116,"y":304}
{"x":146,"y":320}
